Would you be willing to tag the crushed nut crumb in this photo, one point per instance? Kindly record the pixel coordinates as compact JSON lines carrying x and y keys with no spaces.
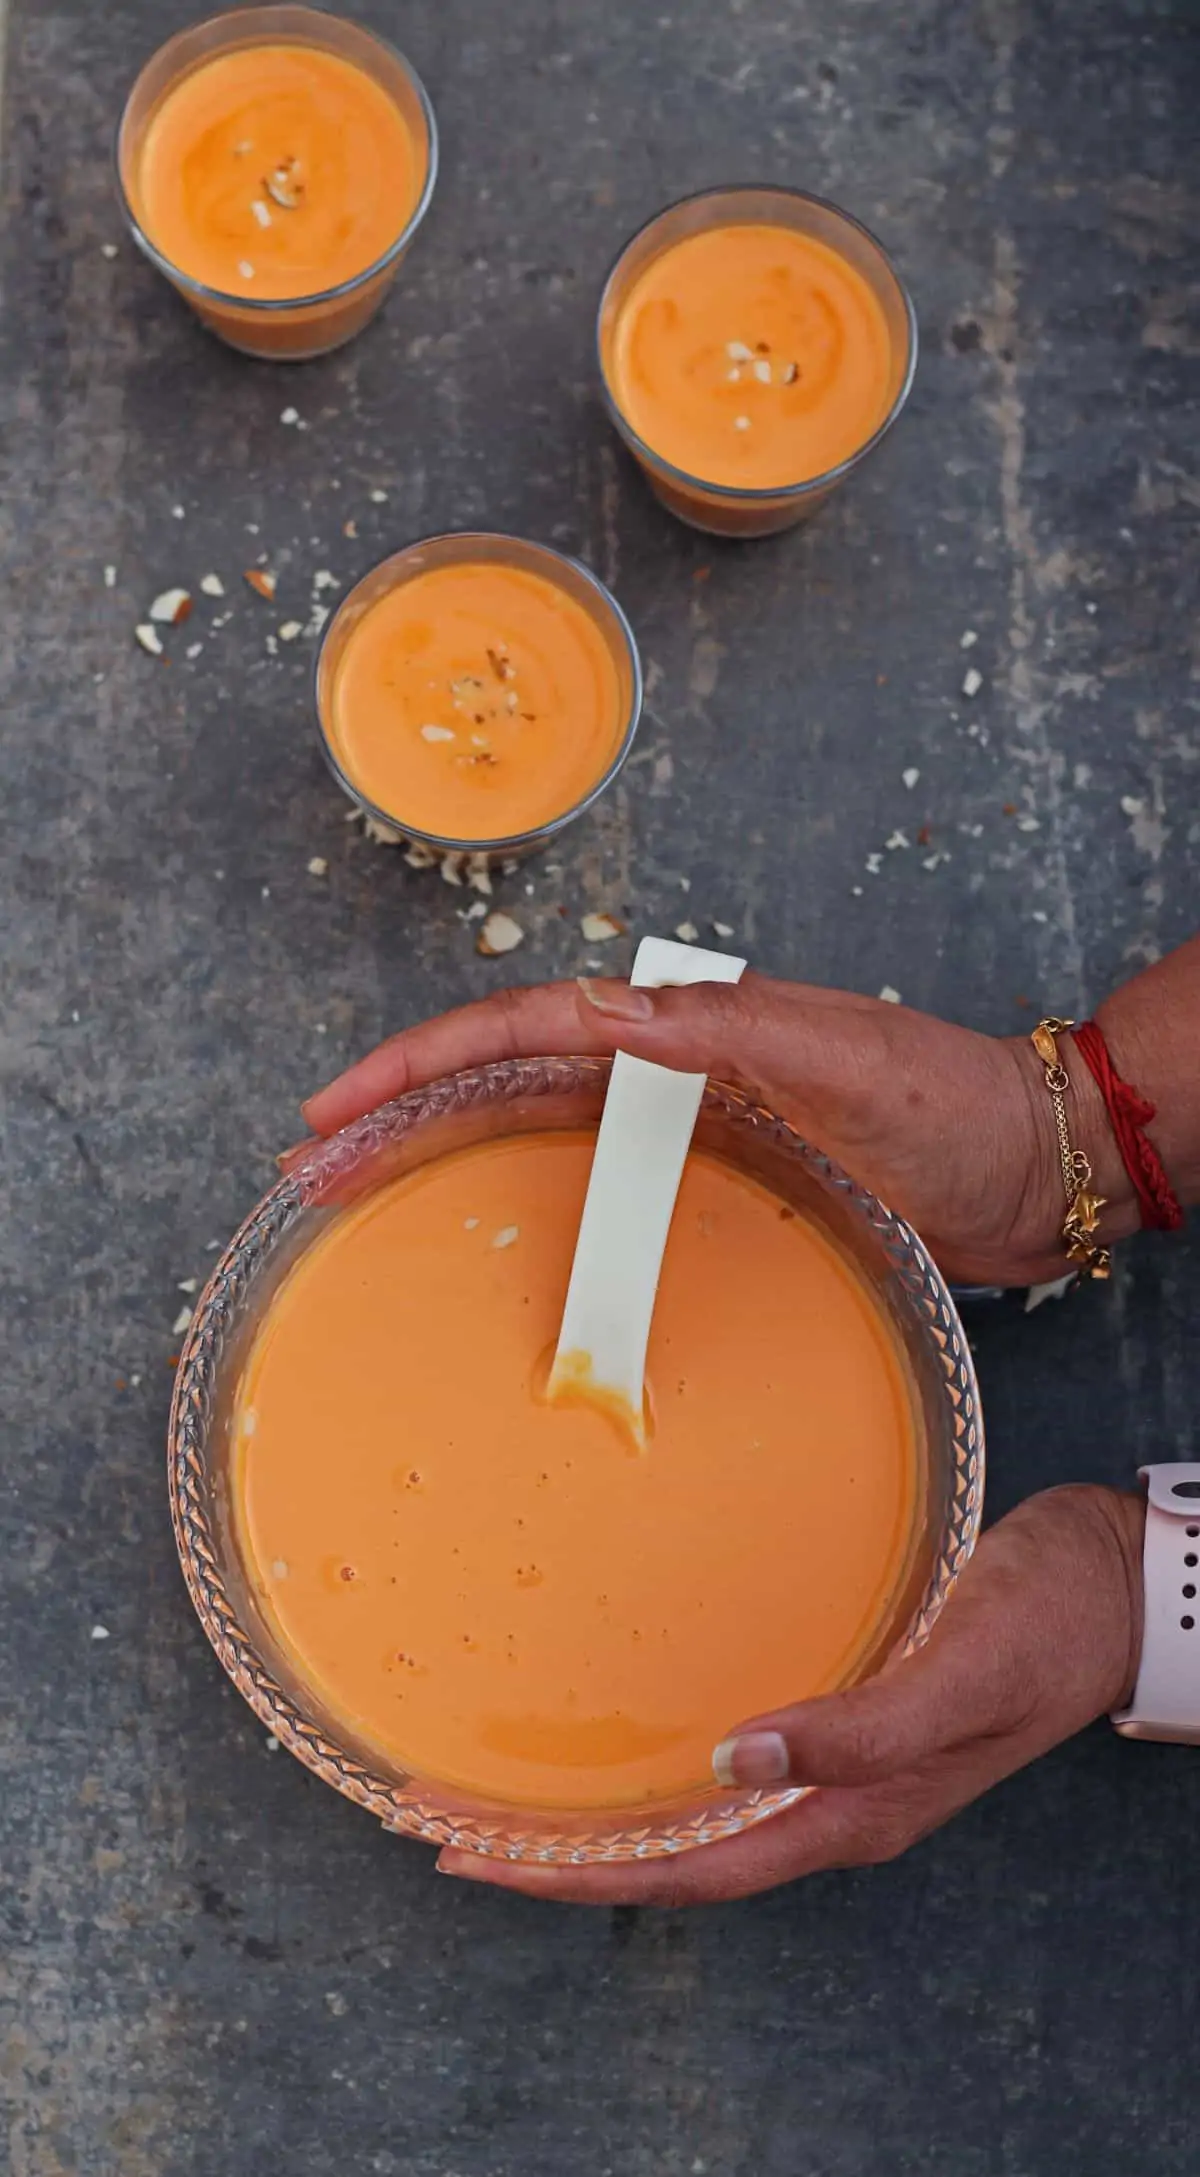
{"x":318,"y":866}
{"x":601,"y":929}
{"x":261,"y":581}
{"x":212,"y":585}
{"x":972,"y":681}
{"x":284,"y":185}
{"x":687,"y":933}
{"x":171,"y":607}
{"x":506,"y":1236}
{"x":148,"y":637}
{"x":499,"y":934}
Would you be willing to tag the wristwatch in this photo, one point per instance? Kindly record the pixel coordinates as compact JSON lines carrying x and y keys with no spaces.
{"x":1166,"y":1698}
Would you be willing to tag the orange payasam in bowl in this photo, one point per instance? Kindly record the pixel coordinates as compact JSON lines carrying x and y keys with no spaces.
{"x":477,"y":692}
{"x":274,"y":163}
{"x":754,"y":344}
{"x":487,"y":1618}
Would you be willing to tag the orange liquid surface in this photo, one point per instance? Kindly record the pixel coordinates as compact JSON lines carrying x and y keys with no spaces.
{"x":501,"y":1594}
{"x":476,"y":702}
{"x":276,"y":171}
{"x":752,"y":355}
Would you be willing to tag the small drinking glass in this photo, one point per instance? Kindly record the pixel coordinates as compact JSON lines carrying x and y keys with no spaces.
{"x":734,"y":510}
{"x":457,"y":548}
{"x":286,"y":329}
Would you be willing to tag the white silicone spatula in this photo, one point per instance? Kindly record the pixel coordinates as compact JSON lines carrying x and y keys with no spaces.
{"x":641,"y":1148}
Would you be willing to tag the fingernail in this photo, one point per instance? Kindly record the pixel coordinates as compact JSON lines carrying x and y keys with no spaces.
{"x":618,"y":1001}
{"x":757,"y":1757}
{"x":286,"y":1155}
{"x":463,"y":1864}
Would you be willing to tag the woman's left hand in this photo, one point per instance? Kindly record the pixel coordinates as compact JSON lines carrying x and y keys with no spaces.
{"x":1041,"y":1635}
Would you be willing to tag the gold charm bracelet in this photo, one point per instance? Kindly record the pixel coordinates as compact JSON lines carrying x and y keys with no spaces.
{"x":1083,"y":1207}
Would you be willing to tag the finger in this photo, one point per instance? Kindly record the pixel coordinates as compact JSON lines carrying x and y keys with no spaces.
{"x":756,"y":1032}
{"x":529,"y":1023}
{"x":823,"y":1831}
{"x":960,"y":1686}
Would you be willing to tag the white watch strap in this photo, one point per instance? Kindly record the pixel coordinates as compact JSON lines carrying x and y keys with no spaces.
{"x":1166,"y":1698}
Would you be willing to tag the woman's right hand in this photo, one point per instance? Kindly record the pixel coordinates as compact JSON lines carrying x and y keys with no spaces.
{"x":952,"y":1129}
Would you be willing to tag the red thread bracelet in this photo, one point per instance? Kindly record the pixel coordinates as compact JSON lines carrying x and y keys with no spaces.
{"x":1129,"y":1114}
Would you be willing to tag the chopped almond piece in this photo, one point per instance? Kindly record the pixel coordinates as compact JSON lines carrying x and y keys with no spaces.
{"x":601,"y":929}
{"x":499,"y":934}
{"x":149,"y":639}
{"x":171,"y":607}
{"x":260,"y":580}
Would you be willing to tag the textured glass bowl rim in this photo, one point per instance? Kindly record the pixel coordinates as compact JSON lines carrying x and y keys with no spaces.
{"x":757,"y":494}
{"x":515,"y":842}
{"x":413,"y":1809}
{"x":273,"y":305}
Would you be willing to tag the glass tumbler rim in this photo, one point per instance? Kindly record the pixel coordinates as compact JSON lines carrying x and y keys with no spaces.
{"x":515,"y":843}
{"x":275,"y":305}
{"x":757,"y":494}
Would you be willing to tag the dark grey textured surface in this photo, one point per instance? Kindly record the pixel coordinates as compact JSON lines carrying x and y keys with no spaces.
{"x":210,"y":1965}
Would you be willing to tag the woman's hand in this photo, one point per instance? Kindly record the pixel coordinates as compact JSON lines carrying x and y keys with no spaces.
{"x":953,"y":1130}
{"x":1041,"y":1635}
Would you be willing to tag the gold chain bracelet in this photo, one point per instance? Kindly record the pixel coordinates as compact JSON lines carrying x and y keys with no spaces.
{"x":1083,"y":1207}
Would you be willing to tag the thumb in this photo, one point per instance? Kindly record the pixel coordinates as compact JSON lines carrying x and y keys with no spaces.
{"x":955,"y":1689}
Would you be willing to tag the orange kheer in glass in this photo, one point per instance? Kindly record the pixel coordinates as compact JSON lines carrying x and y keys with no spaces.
{"x":476,"y":700}
{"x":501,"y":1594}
{"x":753,"y":355}
{"x":264,"y":172}
{"x":752,"y":344}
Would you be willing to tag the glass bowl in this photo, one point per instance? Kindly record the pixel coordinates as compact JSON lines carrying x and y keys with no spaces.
{"x":455,"y":547}
{"x":732,"y":510}
{"x":287,"y":329}
{"x":514,"y":1097}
